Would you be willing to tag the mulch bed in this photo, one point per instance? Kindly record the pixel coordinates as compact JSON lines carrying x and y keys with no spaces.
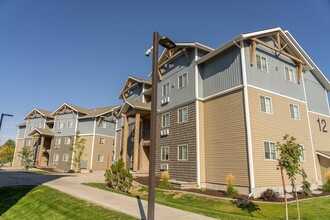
{"x":218,"y":193}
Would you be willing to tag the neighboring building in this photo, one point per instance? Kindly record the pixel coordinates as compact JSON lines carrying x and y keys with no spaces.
{"x":50,"y":135}
{"x":222,"y":111}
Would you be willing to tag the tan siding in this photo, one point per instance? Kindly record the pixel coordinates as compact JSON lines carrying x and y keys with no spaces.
{"x":103,"y":149}
{"x":118,"y":144}
{"x":321,"y":142}
{"x":272,"y":127}
{"x":201,"y":140}
{"x":225,"y":139}
{"x":88,"y":149}
{"x":18,"y":148}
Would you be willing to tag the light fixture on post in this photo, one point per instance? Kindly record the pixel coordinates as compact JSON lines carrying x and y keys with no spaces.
{"x":2,"y":114}
{"x":168,"y":44}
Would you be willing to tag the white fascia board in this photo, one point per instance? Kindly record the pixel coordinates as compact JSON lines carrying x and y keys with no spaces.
{"x":64,"y":105}
{"x":35,"y":109}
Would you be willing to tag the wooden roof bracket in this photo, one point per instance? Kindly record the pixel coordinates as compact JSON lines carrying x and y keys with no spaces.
{"x":299,"y":72}
{"x":253,"y":47}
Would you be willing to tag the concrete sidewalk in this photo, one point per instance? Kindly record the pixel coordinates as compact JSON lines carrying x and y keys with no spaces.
{"x":128,"y":205}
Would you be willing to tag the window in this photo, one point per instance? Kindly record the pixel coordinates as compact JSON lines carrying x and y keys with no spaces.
{"x":31,"y":128}
{"x":28,"y":142}
{"x":57,"y":141}
{"x":60,"y":125}
{"x":69,"y":124}
{"x":165,"y":120}
{"x":262,"y":63}
{"x":164,"y":153}
{"x":183,"y":152}
{"x":65,"y":157}
{"x":183,"y":114}
{"x":55,"y":157}
{"x":166,"y":89}
{"x":102,"y":140}
{"x":266,"y":104}
{"x":39,"y":126}
{"x":303,"y":155}
{"x":294,"y":112}
{"x":183,"y":80}
{"x":289,"y":74}
{"x":270,"y":151}
{"x":67,"y":140}
{"x":100,"y":158}
{"x":103,"y":124}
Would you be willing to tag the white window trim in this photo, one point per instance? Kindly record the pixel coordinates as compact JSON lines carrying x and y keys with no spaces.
{"x":182,"y":154}
{"x":293,"y":108}
{"x":64,"y":157}
{"x":103,"y":124}
{"x":179,"y":114}
{"x":294,"y":74}
{"x":168,"y":89}
{"x":261,"y":63}
{"x":60,"y":140}
{"x":60,"y":125}
{"x":263,"y":145}
{"x":182,"y":80}
{"x":56,"y":157}
{"x":97,"y":159}
{"x":67,"y":124}
{"x":303,"y":153}
{"x":161,"y":153}
{"x":28,"y":143}
{"x":162,"y":119}
{"x":100,"y":142}
{"x":271,"y":103}
{"x":67,"y":140}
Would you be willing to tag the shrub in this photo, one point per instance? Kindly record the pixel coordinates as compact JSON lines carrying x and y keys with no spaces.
{"x":306,"y":188}
{"x":326,"y":186}
{"x":118,"y":178}
{"x":230,"y":180}
{"x":269,"y":195}
{"x":202,"y":190}
{"x":165,"y":183}
{"x":70,"y":171}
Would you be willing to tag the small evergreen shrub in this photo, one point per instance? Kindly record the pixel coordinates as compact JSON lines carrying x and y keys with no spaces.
{"x":269,"y":195}
{"x":118,"y":178}
{"x":230,"y":180}
{"x":165,"y":183}
{"x":202,"y":190}
{"x":306,"y":188}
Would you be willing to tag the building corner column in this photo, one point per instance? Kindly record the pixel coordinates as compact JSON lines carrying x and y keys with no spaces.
{"x":125,"y":137}
{"x":136,"y":141}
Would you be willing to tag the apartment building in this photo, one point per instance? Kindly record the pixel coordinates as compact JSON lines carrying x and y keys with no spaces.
{"x":49,"y":135}
{"x":222,"y":111}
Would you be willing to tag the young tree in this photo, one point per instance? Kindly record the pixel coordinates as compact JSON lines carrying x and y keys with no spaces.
{"x":77,"y":148}
{"x":6,"y":154}
{"x":25,"y":154}
{"x":9,"y":143}
{"x":289,"y":160}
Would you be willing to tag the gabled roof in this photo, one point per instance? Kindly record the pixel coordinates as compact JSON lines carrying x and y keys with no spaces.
{"x":318,"y":73}
{"x":135,"y":105}
{"x":42,"y":112}
{"x":132,"y":79}
{"x":255,"y":34}
{"x":73,"y":107}
{"x":42,"y":131}
{"x":100,"y":111}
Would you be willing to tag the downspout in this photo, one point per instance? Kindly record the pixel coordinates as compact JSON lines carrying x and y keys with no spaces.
{"x":247,"y":119}
{"x":310,"y":130}
{"x":93,"y":144}
{"x":198,"y":160}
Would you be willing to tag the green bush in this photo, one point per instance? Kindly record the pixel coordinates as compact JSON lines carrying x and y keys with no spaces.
{"x":306,"y":188}
{"x":165,"y":183}
{"x":118,"y":178}
{"x":326,"y":187}
{"x":269,"y":195}
{"x":231,"y":191}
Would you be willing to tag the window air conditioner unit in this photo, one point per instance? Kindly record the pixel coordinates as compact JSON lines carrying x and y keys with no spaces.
{"x":164,"y":132}
{"x":57,"y":147}
{"x":59,"y":131}
{"x":165,"y":100}
{"x":164,"y":166}
{"x":55,"y":163}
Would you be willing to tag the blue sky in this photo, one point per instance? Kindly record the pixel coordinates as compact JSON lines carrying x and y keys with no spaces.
{"x":81,"y":52}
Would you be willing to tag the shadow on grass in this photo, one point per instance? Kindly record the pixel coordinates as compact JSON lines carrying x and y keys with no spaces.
{"x":246,"y":205}
{"x":14,"y":185}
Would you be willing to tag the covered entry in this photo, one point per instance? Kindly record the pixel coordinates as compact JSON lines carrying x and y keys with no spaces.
{"x":324,"y":161}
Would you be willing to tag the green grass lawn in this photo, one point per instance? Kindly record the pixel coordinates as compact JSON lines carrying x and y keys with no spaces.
{"x":42,"y":202}
{"x":318,"y":208}
{"x":41,"y":172}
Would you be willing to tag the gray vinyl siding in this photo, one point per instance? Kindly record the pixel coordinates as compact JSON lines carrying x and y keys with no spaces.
{"x":86,"y":126}
{"x":35,"y":123}
{"x":316,"y":95}
{"x":221,"y":72}
{"x":135,"y":94}
{"x":171,"y":74}
{"x":21,"y":132}
{"x":273,"y":80}
{"x":201,"y":53}
{"x":109,"y":130}
{"x":65,"y":131}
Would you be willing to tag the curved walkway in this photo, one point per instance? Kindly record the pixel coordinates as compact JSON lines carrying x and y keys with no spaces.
{"x":71,"y":184}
